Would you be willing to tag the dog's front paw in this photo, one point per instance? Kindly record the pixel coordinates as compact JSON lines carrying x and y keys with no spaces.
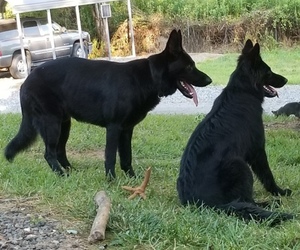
{"x":287,"y":192}
{"x":110,"y":175}
{"x":131,"y":173}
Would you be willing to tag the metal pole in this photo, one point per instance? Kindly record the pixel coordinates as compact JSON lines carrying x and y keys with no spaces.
{"x":80,"y":31}
{"x":107,"y":38}
{"x":131,"y":28}
{"x":51,"y":34}
{"x":22,"y":44}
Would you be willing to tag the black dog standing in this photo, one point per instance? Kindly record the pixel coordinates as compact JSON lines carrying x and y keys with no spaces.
{"x":214,"y":168}
{"x":113,"y":95}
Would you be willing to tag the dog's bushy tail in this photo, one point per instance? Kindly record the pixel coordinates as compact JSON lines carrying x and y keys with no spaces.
{"x":24,"y":138}
{"x":250,"y":211}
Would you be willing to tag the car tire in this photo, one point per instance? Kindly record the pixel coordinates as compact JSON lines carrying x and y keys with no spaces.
{"x":77,"y":50}
{"x":16,"y":69}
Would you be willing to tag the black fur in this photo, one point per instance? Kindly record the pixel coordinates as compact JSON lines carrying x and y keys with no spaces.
{"x":292,"y":108}
{"x":214,"y":168}
{"x":113,"y":95}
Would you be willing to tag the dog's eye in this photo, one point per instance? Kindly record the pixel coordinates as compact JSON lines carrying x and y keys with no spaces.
{"x":189,"y":68}
{"x":269,"y":74}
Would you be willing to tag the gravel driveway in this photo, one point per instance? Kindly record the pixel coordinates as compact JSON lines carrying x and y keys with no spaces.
{"x":175,"y":104}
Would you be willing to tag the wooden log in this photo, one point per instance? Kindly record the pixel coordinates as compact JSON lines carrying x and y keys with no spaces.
{"x":99,"y":225}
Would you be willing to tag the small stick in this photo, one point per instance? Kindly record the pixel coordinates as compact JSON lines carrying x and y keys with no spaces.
{"x":99,"y":225}
{"x":140,"y":190}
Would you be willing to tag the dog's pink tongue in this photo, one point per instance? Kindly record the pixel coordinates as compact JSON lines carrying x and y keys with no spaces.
{"x":193,"y":93}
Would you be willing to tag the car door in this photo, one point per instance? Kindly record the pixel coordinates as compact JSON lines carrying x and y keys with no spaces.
{"x":62,"y":47}
{"x":62,"y":41}
{"x":35,"y":42}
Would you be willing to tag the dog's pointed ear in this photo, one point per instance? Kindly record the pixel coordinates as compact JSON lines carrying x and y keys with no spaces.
{"x":174,"y":44}
{"x":256,"y":50}
{"x":248,"y":46}
{"x":254,"y":53}
{"x":250,"y":52}
{"x":180,"y":37}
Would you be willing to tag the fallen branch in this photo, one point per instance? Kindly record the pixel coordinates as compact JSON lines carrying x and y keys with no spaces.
{"x":140,"y":190}
{"x":99,"y":225}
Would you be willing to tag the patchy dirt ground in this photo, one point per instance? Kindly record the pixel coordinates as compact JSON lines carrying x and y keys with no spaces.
{"x":23,"y":226}
{"x":293,"y":124}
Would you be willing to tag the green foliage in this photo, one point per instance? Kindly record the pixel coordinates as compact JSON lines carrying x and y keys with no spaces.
{"x":97,"y":49}
{"x":159,"y":222}
{"x":219,"y":21}
{"x":217,"y":9}
{"x":8,"y":12}
{"x":270,"y":21}
{"x":283,"y":61}
{"x":119,"y":14}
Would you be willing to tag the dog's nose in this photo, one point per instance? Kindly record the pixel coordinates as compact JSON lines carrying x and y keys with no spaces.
{"x":208,"y":80}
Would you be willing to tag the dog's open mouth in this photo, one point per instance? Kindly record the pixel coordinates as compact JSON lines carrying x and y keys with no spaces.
{"x":269,"y":91}
{"x":188,"y":91}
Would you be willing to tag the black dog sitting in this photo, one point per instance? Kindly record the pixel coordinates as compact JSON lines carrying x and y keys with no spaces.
{"x":214,"y":168}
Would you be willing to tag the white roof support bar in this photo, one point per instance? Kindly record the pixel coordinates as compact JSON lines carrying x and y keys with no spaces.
{"x":20,"y":32}
{"x":51,"y":33}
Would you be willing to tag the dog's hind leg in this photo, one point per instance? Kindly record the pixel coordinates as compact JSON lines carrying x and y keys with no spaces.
{"x":61,"y":147}
{"x":260,"y":167}
{"x":26,"y":136}
{"x":125,"y":151}
{"x":237,"y":185}
{"x":236,"y":181}
{"x":50,"y":128}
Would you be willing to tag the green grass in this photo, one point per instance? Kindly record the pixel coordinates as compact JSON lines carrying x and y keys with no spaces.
{"x":282,"y":61}
{"x":159,"y":222}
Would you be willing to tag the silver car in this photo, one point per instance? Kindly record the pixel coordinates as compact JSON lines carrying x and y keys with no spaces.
{"x":37,"y":44}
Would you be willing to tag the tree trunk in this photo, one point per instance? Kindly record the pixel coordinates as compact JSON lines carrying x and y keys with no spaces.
{"x":100,"y":28}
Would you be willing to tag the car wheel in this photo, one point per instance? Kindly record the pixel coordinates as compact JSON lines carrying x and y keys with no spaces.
{"x":17,"y":68}
{"x":77,"y":51}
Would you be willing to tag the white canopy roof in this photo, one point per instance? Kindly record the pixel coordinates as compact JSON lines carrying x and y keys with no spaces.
{"x":21,"y":6}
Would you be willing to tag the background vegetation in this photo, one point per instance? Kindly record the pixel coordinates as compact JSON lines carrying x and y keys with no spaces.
{"x":274,"y":58}
{"x":206,"y":25}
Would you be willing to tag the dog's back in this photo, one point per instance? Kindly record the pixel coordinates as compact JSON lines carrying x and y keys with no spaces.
{"x":92,"y":91}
